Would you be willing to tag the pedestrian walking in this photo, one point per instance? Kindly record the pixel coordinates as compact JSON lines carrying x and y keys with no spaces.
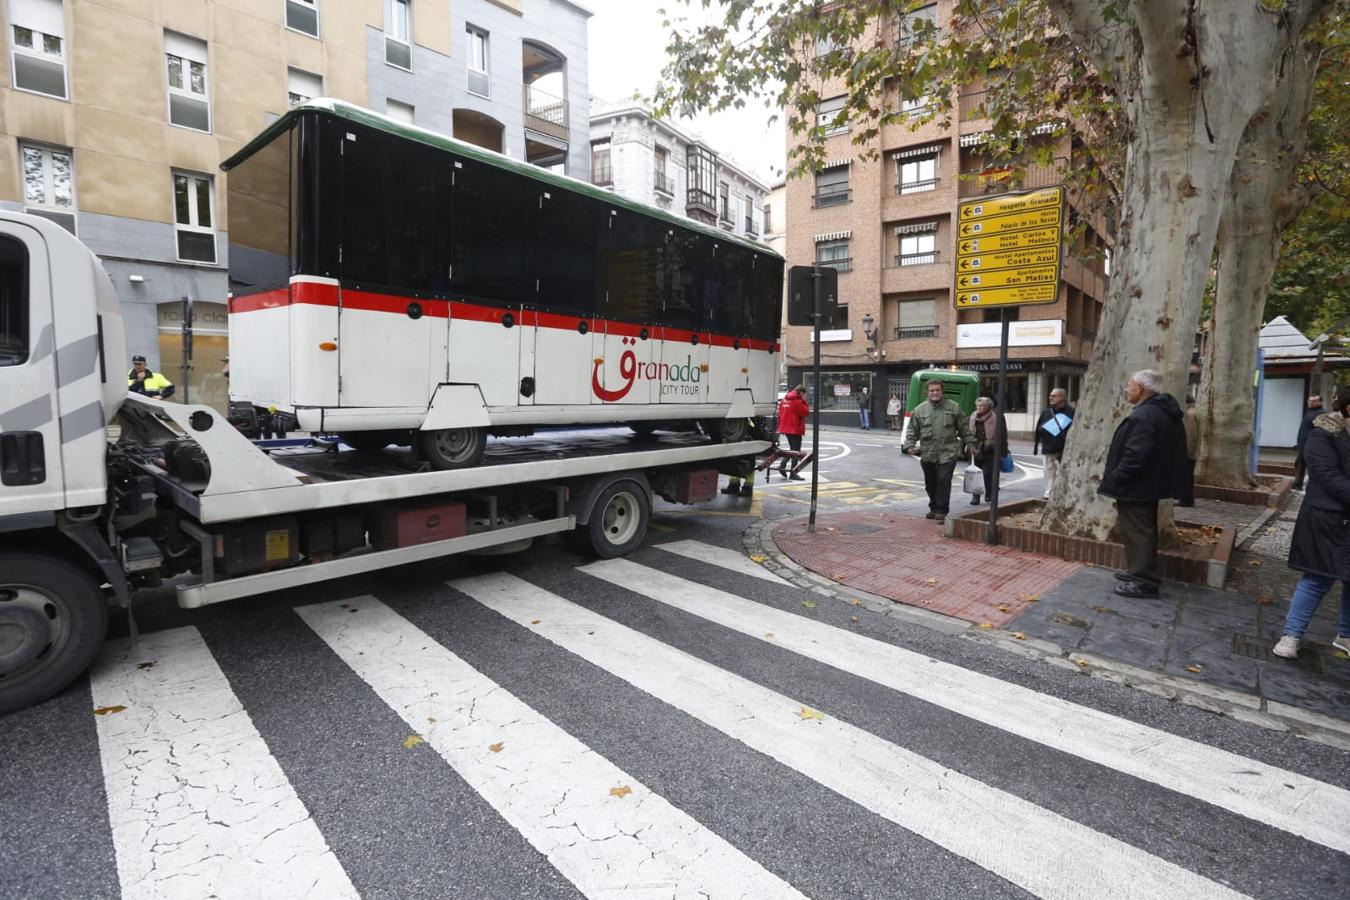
{"x":1190,"y":421}
{"x":792,"y":412}
{"x":1320,"y":548}
{"x":989,"y":430}
{"x":865,"y":409}
{"x":1146,"y":463}
{"x":1052,"y":430}
{"x":939,"y":434}
{"x":1315,"y":409}
{"x":893,"y":411}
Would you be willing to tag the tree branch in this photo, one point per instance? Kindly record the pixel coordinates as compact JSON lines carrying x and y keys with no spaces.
{"x":1106,"y":42}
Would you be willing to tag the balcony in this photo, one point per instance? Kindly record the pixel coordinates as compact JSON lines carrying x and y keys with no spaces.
{"x":844,"y":264}
{"x":831,"y":195}
{"x":917,"y":187}
{"x":545,"y":113}
{"x":601,"y":173}
{"x":904,"y":332}
{"x":917,"y":259}
{"x":664,"y":183}
{"x":750,"y":227}
{"x":1000,"y":179}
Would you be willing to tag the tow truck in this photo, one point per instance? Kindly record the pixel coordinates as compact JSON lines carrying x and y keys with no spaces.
{"x":105,"y":492}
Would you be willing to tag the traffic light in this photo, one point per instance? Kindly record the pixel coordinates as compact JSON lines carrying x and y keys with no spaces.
{"x":801,"y":295}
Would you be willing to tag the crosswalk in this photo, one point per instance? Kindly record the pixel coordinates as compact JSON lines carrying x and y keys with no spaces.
{"x":676,"y":724}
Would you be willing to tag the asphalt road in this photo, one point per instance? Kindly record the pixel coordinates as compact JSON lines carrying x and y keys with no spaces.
{"x":674,"y":724}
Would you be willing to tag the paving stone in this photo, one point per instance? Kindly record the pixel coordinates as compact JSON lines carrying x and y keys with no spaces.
{"x":1284,"y":683}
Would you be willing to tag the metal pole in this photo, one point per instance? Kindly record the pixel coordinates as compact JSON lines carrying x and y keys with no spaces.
{"x":186,"y":310}
{"x":998,"y":411}
{"x":815,"y":410}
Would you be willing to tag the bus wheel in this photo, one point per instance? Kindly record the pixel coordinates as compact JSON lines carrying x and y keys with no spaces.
{"x":618,"y":521}
{"x":728,"y":431}
{"x":452,"y":448}
{"x":367,"y":441}
{"x":53,"y":618}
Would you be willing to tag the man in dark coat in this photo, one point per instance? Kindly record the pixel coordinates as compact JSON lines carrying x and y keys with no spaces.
{"x":1315,"y":409}
{"x":1052,"y":430}
{"x":1320,"y":548}
{"x":1146,"y":463}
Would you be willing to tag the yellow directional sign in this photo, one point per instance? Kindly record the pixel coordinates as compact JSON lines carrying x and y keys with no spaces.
{"x":1008,"y":249}
{"x":1004,"y":277}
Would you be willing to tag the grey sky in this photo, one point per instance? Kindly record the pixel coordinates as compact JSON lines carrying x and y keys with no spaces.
{"x":627,"y":52}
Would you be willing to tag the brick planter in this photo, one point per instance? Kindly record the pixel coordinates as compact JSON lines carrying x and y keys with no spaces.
{"x":1273,"y":495}
{"x":974,"y":526}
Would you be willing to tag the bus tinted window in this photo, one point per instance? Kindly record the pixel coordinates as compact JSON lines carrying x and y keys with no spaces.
{"x":489,"y":217}
{"x":562,"y":250}
{"x":724,"y":299}
{"x":259,"y":197}
{"x":689,"y":256}
{"x":629,"y":267}
{"x":764,"y":299}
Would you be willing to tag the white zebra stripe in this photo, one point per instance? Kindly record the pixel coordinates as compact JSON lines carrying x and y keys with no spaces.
{"x":1291,"y":802}
{"x":565,"y":799}
{"x":720,"y":556}
{"x":1041,"y":851}
{"x":198,"y":805}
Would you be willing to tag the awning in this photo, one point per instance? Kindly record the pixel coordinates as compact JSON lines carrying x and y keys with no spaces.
{"x":971,"y":140}
{"x":838,"y":163}
{"x":926,"y":150}
{"x":916,"y":228}
{"x":834,"y":236}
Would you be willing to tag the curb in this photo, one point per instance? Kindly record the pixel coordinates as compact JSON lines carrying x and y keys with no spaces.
{"x":1243,"y":707}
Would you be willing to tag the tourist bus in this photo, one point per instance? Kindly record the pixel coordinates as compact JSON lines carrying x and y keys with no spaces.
{"x":395,"y":285}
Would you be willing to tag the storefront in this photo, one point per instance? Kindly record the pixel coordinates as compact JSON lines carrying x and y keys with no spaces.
{"x":840,"y":388}
{"x":1028,"y":386}
{"x":205,"y":380}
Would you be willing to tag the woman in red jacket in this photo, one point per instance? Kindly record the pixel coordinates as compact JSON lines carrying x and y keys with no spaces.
{"x":792,"y":412}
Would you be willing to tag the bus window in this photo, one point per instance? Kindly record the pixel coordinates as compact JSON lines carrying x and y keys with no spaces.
{"x":723,"y":308}
{"x":764,"y":299}
{"x":690,"y":264}
{"x":489,"y":209}
{"x":629,"y":268}
{"x":562,"y":250}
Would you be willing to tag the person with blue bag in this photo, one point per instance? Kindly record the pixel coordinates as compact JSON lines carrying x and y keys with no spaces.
{"x":1052,"y":430}
{"x":989,"y":430}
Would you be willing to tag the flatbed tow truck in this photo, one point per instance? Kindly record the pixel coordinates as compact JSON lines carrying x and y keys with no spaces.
{"x":103,"y":492}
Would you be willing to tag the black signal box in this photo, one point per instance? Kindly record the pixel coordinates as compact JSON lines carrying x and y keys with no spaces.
{"x":801,"y":295}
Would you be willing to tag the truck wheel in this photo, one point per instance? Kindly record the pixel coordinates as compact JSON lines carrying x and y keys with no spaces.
{"x":618,"y":521}
{"x":727,"y":431}
{"x":53,"y":618}
{"x":366,"y":441}
{"x":452,"y":448}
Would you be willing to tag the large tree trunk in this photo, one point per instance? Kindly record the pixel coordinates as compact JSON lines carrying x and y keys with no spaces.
{"x":1190,"y":78}
{"x":1264,"y":198}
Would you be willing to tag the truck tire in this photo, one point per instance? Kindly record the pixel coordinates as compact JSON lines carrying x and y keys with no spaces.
{"x":53,"y":618}
{"x":618,"y":521}
{"x":367,"y":441}
{"x":728,"y":431}
{"x":452,"y":448}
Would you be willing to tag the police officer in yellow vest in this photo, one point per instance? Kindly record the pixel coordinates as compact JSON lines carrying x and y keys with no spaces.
{"x":143,"y":381}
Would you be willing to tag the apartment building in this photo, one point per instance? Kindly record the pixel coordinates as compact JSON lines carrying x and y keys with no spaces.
{"x":115,"y":115}
{"x":652,"y":161}
{"x":886,"y":224}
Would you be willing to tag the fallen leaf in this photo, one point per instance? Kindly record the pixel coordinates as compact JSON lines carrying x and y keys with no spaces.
{"x":856,"y":602}
{"x":497,"y":747}
{"x":145,"y":665}
{"x":807,"y":712}
{"x":1196,"y":669}
{"x":621,"y":791}
{"x":1263,"y":600}
{"x":344,"y":605}
{"x":769,"y":635}
{"x":1082,"y":663}
{"x":1019,"y":635}
{"x":1254,"y":563}
{"x":105,"y":710}
{"x":412,"y":741}
{"x":809,"y":604}
{"x":1103,"y":609}
{"x":431,"y":720}
{"x":986,"y":625}
{"x":534,"y":621}
{"x":1003,"y":607}
{"x":757,"y":557}
{"x":1341,"y":654}
{"x":930,"y":581}
{"x":853,"y":618}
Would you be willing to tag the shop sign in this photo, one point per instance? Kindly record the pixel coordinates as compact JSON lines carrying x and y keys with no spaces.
{"x":1029,"y":333}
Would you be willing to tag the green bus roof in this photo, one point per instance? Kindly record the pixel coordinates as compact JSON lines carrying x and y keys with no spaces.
{"x":363,"y":116}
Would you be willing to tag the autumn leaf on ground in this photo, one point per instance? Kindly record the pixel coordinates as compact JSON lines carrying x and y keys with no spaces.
{"x":807,"y":712}
{"x":1103,"y":609}
{"x":853,"y":618}
{"x":1255,"y":563}
{"x":1019,"y":635}
{"x":1263,"y":600}
{"x":1028,"y":598}
{"x":1195,"y":669}
{"x":497,"y":747}
{"x":105,"y":710}
{"x":431,"y":720}
{"x":986,"y":625}
{"x":1341,"y":654}
{"x":769,"y":635}
{"x":1082,"y":663}
{"x":757,"y":557}
{"x":809,"y":604}
{"x":856,"y":602}
{"x":534,"y":621}
{"x":412,"y":741}
{"x":621,"y":791}
{"x":1003,"y":607}
{"x":930,"y":581}
{"x":145,"y":665}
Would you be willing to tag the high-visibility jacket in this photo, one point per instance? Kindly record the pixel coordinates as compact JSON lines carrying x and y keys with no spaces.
{"x":154,"y":383}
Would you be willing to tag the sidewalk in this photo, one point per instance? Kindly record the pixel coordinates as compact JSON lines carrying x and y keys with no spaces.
{"x":1218,"y":638}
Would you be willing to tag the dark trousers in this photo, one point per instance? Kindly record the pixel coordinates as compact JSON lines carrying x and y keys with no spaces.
{"x":794,"y":443}
{"x":1188,"y":496}
{"x":989,"y":467}
{"x":1300,"y":470}
{"x":937,"y":481}
{"x":1137,"y":524}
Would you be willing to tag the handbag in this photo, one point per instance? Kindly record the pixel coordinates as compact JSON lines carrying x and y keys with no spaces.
{"x":1005,"y":465}
{"x":974,"y":478}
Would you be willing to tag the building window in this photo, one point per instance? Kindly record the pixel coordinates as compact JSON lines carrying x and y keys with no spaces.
{"x":479,"y":82}
{"x":724,"y":202}
{"x":194,"y":215}
{"x":768,"y":218}
{"x":750,"y":216}
{"x":660,"y":170}
{"x":189,"y":98}
{"x":38,"y":46}
{"x":49,"y":184}
{"x":834,"y":253}
{"x":832,"y":186}
{"x":303,"y":16}
{"x":399,"y":111}
{"x":702,"y":171}
{"x":601,"y":173}
{"x":302,"y":86}
{"x":918,"y":249}
{"x":915,"y":107}
{"x":826,"y":111}
{"x":914,"y":25}
{"x":916,"y":319}
{"x":1015,"y":400}
{"x":918,"y":173}
{"x":398,"y":34}
{"x":839,"y":390}
{"x":826,"y":44}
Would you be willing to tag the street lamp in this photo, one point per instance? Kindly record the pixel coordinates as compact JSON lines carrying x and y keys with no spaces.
{"x":869,"y":327}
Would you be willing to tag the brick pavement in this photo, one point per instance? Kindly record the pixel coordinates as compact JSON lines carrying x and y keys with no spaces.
{"x":907,"y":559}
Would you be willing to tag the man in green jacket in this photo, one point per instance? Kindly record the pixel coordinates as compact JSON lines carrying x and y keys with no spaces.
{"x":941,"y":434}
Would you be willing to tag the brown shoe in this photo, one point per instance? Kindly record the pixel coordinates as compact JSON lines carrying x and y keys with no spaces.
{"x":930,"y":515}
{"x":940,"y":517}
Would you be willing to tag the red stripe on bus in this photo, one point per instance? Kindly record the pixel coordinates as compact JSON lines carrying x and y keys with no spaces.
{"x":261,"y":300}
{"x":369,"y":301}
{"x":314,"y":293}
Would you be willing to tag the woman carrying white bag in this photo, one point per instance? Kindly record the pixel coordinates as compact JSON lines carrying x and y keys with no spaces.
{"x":989,"y":430}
